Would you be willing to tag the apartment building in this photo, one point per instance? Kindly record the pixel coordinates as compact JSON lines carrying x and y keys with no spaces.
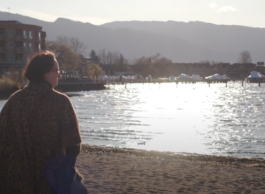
{"x":18,"y":42}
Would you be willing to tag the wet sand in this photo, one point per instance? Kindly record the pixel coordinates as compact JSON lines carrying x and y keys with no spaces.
{"x":114,"y":170}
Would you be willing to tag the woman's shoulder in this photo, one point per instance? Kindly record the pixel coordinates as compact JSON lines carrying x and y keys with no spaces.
{"x":61,"y":97}
{"x":61,"y":101}
{"x":15,"y":96}
{"x":13,"y":99}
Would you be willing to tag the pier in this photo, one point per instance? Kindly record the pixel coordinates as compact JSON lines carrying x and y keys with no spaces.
{"x":157,"y":81}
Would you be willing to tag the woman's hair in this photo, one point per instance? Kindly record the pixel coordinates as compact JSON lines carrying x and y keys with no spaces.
{"x":39,"y":65}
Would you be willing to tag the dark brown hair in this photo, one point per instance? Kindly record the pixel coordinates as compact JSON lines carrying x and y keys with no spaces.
{"x":38,"y":66}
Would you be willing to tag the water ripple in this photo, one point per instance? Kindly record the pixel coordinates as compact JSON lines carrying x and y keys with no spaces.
{"x":188,"y":118}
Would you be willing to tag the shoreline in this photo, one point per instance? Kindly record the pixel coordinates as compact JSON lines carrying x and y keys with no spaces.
{"x":65,"y":87}
{"x":118,"y":170}
{"x":231,"y":160}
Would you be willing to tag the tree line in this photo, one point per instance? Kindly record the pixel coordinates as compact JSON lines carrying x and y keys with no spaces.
{"x":70,"y":53}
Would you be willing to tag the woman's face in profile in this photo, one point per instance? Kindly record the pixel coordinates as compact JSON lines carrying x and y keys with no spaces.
{"x":53,"y":76}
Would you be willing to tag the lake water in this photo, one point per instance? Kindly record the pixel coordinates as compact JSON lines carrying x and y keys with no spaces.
{"x":189,"y":118}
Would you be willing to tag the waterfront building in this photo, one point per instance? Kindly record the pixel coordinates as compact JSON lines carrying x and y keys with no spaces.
{"x":18,"y":42}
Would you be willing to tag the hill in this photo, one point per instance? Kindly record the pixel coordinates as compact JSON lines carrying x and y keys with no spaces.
{"x":178,"y":41}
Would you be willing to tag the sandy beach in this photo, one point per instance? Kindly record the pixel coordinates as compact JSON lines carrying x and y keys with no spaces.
{"x":114,"y":170}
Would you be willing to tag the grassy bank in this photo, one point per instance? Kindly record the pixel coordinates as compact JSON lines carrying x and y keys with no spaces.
{"x":8,"y":86}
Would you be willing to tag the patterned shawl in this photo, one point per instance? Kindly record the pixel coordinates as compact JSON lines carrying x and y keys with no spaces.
{"x":36,"y":124}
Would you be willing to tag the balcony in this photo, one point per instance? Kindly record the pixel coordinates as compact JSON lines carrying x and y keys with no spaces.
{"x":20,"y":50}
{"x":43,"y":48}
{"x":43,"y":41}
{"x":19,"y":38}
{"x":43,"y":34}
{"x":3,"y":37}
{"x":3,"y":49}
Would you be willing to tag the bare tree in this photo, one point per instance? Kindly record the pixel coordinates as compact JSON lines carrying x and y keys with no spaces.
{"x":122,"y":61}
{"x":77,"y":46}
{"x":72,"y":43}
{"x":244,"y":57}
{"x":63,"y":39}
{"x":66,"y":57}
{"x":108,"y":57}
{"x":147,"y":60}
{"x":102,"y":54}
{"x":155,"y":65}
{"x":113,"y":57}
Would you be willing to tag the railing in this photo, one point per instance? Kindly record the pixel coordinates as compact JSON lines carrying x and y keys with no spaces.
{"x":43,"y":41}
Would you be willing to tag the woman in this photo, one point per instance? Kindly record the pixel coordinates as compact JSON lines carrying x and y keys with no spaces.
{"x":38,"y":129}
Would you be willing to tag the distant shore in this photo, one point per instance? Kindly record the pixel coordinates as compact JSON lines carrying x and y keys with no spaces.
{"x":69,"y":86}
{"x":115,"y":170}
{"x":66,"y":87}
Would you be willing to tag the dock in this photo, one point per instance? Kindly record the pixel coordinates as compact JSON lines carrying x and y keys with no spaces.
{"x":157,"y":81}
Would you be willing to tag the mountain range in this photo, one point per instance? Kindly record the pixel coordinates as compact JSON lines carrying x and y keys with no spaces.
{"x":178,"y":41}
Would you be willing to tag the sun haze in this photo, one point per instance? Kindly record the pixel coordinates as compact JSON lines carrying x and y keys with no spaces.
{"x":244,"y":12}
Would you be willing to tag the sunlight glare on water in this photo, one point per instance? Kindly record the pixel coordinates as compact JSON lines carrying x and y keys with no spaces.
{"x":193,"y":118}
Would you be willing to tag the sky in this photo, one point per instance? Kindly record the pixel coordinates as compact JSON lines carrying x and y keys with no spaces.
{"x":228,"y":12}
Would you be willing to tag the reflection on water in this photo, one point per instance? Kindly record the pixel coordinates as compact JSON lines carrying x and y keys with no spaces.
{"x":190,"y":118}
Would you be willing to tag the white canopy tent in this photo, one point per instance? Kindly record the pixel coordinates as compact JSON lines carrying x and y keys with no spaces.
{"x":255,"y":74}
{"x":217,"y":77}
{"x":196,"y":77}
{"x":183,"y":77}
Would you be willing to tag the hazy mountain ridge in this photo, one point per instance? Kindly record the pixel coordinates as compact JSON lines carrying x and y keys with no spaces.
{"x":178,"y":41}
{"x":227,"y":38}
